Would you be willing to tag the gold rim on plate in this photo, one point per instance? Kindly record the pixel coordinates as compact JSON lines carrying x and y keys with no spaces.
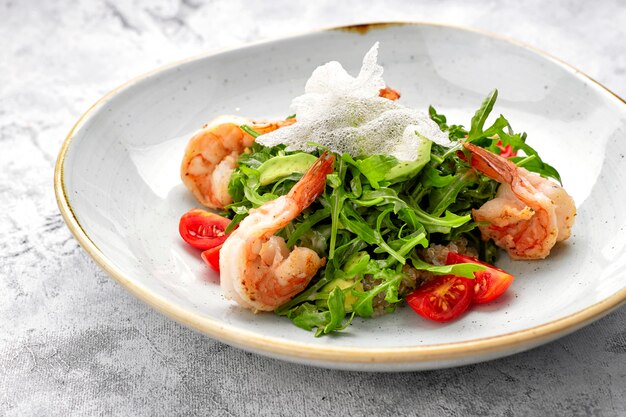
{"x":481,"y":348}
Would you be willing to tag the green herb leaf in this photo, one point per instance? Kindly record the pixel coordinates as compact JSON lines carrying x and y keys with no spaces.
{"x":391,"y":279}
{"x":480,"y":117}
{"x":307,"y":316}
{"x":463,"y":270}
{"x":374,"y":167}
{"x":337,"y":310}
{"x":455,"y":132}
{"x":335,"y":200}
{"x":442,"y":198}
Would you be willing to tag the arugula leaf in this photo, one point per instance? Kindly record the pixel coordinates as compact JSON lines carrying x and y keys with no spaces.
{"x":434,"y":224}
{"x":307,"y":224}
{"x":346,"y":250}
{"x":535,"y":164}
{"x":496,"y":128}
{"x":480,"y":117}
{"x":441,"y":198}
{"x":463,"y":270}
{"x":308,"y":316}
{"x":391,"y":279}
{"x":374,"y":167}
{"x":432,"y":178}
{"x":381,"y":196}
{"x":406,"y":244}
{"x":336,"y":307}
{"x":357,"y":225}
{"x":335,"y":201}
{"x":455,"y":132}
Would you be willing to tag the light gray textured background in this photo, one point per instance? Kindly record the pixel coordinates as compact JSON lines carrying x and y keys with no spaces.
{"x":73,"y":342}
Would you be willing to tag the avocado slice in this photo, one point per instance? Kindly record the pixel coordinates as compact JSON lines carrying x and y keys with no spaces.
{"x":405,"y":170}
{"x":281,"y":166}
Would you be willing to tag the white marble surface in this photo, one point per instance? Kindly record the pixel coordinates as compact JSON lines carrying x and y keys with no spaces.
{"x":73,"y":342}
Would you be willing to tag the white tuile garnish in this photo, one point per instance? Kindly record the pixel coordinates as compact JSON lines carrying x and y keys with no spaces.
{"x":333,"y":79}
{"x":346,"y":115}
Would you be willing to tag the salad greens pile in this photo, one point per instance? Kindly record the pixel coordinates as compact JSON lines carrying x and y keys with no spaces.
{"x":376,"y":213}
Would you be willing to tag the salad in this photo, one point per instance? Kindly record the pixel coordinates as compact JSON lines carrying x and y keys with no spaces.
{"x":356,"y":205}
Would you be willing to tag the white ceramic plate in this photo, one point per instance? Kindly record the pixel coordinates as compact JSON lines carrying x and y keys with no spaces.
{"x":118,"y":188}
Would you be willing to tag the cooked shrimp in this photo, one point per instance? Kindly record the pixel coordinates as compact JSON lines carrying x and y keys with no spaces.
{"x":529,"y":213}
{"x":257,"y":270}
{"x":211,"y":156}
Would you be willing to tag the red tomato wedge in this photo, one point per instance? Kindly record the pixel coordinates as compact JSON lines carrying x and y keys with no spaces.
{"x":443,"y":299}
{"x":202,"y":229}
{"x":488,"y":284}
{"x":212,"y":257}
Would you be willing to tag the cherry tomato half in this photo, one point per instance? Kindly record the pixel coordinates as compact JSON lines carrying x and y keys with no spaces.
{"x":443,"y":299}
{"x":203,"y":230}
{"x":212,"y":257}
{"x":488,"y":284}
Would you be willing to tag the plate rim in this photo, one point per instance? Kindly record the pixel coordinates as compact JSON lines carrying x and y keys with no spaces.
{"x":299,"y":351}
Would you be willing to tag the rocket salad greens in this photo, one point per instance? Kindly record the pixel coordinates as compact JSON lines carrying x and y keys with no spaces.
{"x":377,"y":215}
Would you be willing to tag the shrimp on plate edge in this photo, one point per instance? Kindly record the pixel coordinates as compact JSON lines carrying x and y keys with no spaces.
{"x":529,"y":213}
{"x":257,"y":270}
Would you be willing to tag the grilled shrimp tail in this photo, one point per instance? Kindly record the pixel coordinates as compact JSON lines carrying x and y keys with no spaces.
{"x":490,"y":164}
{"x":310,"y":186}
